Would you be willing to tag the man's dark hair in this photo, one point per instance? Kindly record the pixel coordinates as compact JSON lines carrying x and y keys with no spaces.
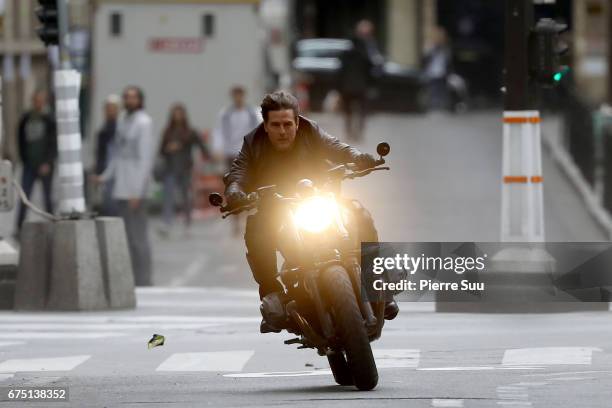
{"x":279,"y":100}
{"x":139,"y":91}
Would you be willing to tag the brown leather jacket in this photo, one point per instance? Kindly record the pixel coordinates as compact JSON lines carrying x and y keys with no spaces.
{"x":258,"y":164}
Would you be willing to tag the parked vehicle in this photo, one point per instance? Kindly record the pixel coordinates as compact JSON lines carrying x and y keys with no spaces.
{"x":317,"y":65}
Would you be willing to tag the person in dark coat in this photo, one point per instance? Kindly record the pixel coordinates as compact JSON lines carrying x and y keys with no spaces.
{"x":37,"y":141}
{"x":359,"y":65}
{"x":178,"y":141}
{"x":437,"y":66}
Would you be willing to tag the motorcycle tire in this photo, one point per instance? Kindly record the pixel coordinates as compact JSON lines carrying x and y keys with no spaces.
{"x":340,"y":368}
{"x":350,"y":327}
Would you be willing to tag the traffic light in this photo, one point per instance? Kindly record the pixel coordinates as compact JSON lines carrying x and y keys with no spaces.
{"x":47,"y":15}
{"x":545,"y":48}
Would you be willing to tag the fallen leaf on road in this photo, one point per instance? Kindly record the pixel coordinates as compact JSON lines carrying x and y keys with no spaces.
{"x":156,"y":340}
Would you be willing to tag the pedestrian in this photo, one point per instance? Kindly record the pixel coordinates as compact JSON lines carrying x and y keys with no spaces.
{"x":178,"y":141}
{"x":37,"y":141}
{"x":235,"y":122}
{"x":437,"y":68}
{"x":129,"y":171}
{"x":359,"y":66}
{"x":105,"y":149}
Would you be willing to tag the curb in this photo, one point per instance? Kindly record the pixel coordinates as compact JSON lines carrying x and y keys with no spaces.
{"x":563,"y":159}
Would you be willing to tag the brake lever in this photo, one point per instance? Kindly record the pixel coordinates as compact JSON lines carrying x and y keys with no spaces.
{"x":365,"y":172}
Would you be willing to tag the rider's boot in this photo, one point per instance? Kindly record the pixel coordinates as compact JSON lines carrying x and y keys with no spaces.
{"x":273,"y":313}
{"x":391,"y":310}
{"x":270,"y":290}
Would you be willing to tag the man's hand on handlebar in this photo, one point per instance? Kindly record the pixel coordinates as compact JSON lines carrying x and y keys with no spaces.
{"x":235,"y":198}
{"x":365,"y":161}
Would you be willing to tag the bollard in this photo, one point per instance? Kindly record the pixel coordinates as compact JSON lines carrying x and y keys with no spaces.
{"x":116,"y":263}
{"x":522,"y":207}
{"x":76,"y":281}
{"x":34,"y":265}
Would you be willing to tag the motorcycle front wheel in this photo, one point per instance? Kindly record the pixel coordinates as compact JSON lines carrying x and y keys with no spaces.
{"x":350,"y":327}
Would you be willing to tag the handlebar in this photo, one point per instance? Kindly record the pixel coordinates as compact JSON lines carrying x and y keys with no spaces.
{"x":253,"y":198}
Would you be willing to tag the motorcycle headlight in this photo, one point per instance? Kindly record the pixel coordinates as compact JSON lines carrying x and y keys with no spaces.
{"x":315,"y":214}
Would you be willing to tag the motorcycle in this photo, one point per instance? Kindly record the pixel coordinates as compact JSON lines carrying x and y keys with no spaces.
{"x":322,"y":303}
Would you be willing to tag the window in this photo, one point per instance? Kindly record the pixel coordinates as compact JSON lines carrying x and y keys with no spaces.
{"x":208,"y":25}
{"x":115,"y":24}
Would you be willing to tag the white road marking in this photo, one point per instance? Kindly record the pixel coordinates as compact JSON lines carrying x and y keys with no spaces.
{"x":100,"y":326}
{"x":30,"y":335}
{"x":223,"y":304}
{"x":280,"y":374}
{"x":4,"y":376}
{"x":43,"y":364}
{"x":447,"y":403}
{"x":194,"y":268}
{"x":396,"y":358}
{"x":10,"y":343}
{"x":157,"y":319}
{"x":211,"y":291}
{"x":478,"y":368}
{"x":207,"y":361}
{"x":548,"y":356}
{"x":513,"y":395}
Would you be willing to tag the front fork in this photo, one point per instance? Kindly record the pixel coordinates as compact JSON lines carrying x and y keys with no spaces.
{"x":354,"y":270}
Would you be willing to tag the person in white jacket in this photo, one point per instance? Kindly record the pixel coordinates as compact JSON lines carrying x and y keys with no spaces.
{"x":130,"y":172}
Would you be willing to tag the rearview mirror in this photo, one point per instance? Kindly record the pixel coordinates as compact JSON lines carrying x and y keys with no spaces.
{"x":215,"y":199}
{"x":383,"y":149}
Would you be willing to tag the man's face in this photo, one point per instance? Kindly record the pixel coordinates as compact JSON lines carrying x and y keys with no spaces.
{"x":111,"y":111}
{"x":39,"y":100}
{"x":131,"y":100}
{"x":238,"y":98}
{"x":281,"y":128}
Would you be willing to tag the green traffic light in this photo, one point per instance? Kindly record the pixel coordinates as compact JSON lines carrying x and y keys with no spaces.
{"x":558,"y":76}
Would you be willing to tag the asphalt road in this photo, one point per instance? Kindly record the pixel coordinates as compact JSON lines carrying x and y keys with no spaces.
{"x":214,"y":356}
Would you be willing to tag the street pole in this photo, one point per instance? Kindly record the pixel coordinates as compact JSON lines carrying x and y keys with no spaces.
{"x":522,"y":207}
{"x":67,"y":87}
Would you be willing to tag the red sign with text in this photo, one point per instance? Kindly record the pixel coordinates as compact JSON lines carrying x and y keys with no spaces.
{"x":177,"y":45}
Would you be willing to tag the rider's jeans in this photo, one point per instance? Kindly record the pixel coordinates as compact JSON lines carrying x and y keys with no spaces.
{"x":260,"y":239}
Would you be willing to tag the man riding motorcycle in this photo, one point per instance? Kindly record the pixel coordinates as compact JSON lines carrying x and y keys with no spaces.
{"x":284,"y":149}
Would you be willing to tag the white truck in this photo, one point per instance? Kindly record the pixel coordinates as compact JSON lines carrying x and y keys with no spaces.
{"x":188,"y":51}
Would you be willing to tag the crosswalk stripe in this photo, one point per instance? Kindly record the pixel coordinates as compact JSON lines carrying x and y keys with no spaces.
{"x":11,"y":343}
{"x":447,"y":403}
{"x":33,"y":335}
{"x":101,"y":326}
{"x":207,"y":361}
{"x":273,"y":374}
{"x":42,"y":364}
{"x":479,"y":368}
{"x":548,"y":356}
{"x":157,"y":319}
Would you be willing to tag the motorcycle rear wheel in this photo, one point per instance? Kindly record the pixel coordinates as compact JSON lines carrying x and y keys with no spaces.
{"x":350,"y":327}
